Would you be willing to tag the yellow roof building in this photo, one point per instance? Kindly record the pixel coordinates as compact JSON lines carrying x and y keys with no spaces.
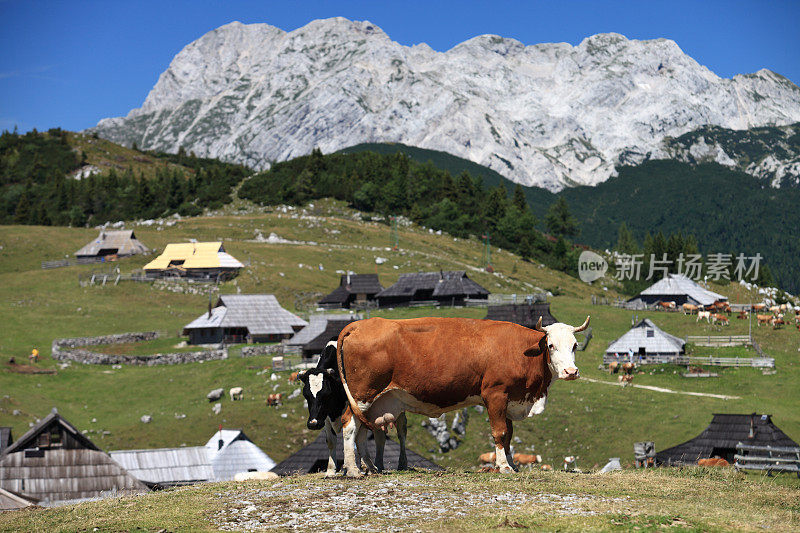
{"x":193,"y":255}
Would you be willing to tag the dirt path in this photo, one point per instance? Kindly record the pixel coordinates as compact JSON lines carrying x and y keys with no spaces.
{"x":669,"y":391}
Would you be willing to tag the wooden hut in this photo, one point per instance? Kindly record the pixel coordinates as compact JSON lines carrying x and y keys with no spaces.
{"x":240,"y":318}
{"x":54,"y":462}
{"x":444,"y":288}
{"x":194,"y":260}
{"x":648,"y":343}
{"x":722,"y":435}
{"x":679,"y":289}
{"x":227,"y":453}
{"x":314,"y":458}
{"x":353,"y":288}
{"x":10,"y":501}
{"x":120,"y":243}
{"x":525,"y":314}
{"x":331,"y":331}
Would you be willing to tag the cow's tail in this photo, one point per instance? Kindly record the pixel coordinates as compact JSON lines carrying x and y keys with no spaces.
{"x":340,"y":361}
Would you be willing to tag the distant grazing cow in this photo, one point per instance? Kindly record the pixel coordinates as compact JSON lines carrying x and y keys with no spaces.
{"x":293,"y":376}
{"x":689,"y":309}
{"x":759,"y":307}
{"x":547,"y":467}
{"x":613,"y":367}
{"x":628,"y":368}
{"x":625,"y":380}
{"x":704,"y":314}
{"x":524,"y":459}
{"x":236,"y":393}
{"x":488,"y":457}
{"x":775,"y":309}
{"x":763,"y":319}
{"x":777,"y":321}
{"x":434,"y":365}
{"x":722,"y":319}
{"x":666,"y":305}
{"x":273,"y":400}
{"x":569,"y":463}
{"x":714,"y":461}
{"x":742,"y":315}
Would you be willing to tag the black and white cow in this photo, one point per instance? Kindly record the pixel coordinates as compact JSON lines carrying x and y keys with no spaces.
{"x":328,"y":408}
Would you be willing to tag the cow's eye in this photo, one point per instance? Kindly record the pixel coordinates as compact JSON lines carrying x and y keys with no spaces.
{"x":550,"y":346}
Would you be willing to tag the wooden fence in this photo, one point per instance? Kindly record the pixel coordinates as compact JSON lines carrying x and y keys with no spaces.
{"x":719,"y":340}
{"x":767,"y":458}
{"x":755,"y":362}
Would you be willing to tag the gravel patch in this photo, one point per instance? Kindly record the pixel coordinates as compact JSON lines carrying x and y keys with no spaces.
{"x":392,"y":505}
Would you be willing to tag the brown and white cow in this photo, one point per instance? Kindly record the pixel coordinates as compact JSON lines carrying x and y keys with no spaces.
{"x":434,"y":365}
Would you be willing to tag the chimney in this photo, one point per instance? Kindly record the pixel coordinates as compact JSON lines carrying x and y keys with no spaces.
{"x":752,"y":427}
{"x":220,"y":442}
{"x":209,"y":305}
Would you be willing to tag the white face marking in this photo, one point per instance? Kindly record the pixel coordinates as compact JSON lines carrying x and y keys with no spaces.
{"x":562,"y":343}
{"x":315,"y":383}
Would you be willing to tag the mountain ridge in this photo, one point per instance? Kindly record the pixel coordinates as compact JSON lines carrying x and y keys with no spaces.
{"x":548,"y":114}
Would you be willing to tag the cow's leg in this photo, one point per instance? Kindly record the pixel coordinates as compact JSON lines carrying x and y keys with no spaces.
{"x":349,"y":437}
{"x":361,"y":447}
{"x":402,"y":431}
{"x":498,"y":422}
{"x":380,"y":442}
{"x":331,"y":428}
{"x":507,"y":444}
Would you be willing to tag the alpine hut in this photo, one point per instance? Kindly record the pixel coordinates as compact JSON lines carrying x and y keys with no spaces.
{"x":676,"y":288}
{"x":525,"y":314}
{"x":446,"y":288}
{"x":54,"y":462}
{"x":332,"y":330}
{"x":120,"y":243}
{"x":648,"y":343}
{"x":207,"y":260}
{"x":239,"y":318}
{"x":227,"y":453}
{"x":352,"y":289}
{"x":722,"y":435}
{"x":313,"y":458}
{"x":316,"y":325}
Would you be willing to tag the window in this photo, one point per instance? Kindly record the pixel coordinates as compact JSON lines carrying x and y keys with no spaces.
{"x":650,"y":333}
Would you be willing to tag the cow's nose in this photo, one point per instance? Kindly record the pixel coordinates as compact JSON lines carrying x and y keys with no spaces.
{"x":571,"y":373}
{"x":313,"y":424}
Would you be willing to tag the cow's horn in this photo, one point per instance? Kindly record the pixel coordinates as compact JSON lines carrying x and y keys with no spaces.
{"x":538,"y":326}
{"x":583,"y":326}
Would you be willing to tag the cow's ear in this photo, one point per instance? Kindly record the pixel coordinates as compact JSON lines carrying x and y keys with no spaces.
{"x":333,"y":373}
{"x":302,"y":375}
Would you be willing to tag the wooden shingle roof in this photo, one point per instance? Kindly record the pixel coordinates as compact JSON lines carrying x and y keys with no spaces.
{"x":523,"y":314}
{"x":353,"y":284}
{"x":314,"y":457}
{"x":724,"y":432}
{"x":444,"y":284}
{"x":124,"y":241}
{"x":331,"y":331}
{"x":260,"y":314}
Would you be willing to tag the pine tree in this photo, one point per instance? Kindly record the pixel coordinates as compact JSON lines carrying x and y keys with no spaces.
{"x":559,"y":221}
{"x":22,"y":214}
{"x":626,"y":242}
{"x":518,"y":198}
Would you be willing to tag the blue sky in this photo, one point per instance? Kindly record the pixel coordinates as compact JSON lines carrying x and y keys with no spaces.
{"x":69,"y":64}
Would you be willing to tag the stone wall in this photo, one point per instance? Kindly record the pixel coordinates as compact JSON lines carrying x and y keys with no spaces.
{"x":70,"y":350}
{"x":271,"y":349}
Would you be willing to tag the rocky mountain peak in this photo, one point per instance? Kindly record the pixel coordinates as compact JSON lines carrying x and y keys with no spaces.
{"x":547,"y":114}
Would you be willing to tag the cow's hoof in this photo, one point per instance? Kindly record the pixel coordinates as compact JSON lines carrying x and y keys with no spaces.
{"x":330,"y":474}
{"x":507,"y":470}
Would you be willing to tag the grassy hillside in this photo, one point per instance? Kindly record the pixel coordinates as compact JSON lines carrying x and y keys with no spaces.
{"x":592,"y":420}
{"x":687,"y":500}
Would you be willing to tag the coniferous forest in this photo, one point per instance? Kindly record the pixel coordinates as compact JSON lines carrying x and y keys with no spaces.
{"x":35,"y":187}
